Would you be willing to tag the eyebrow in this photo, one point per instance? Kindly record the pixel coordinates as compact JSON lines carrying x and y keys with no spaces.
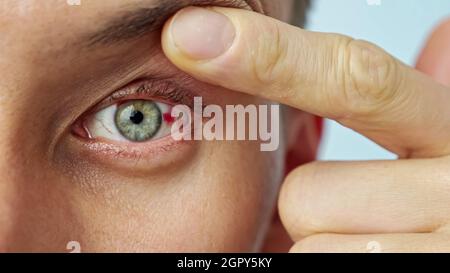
{"x":143,"y":20}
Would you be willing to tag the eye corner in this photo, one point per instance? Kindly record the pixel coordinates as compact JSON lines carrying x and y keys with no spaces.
{"x":79,"y":129}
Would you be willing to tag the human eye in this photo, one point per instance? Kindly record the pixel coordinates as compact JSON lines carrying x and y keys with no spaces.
{"x":138,"y":113}
{"x":133,"y":124}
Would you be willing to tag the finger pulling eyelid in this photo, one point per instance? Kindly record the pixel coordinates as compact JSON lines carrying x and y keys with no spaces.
{"x":144,"y":20}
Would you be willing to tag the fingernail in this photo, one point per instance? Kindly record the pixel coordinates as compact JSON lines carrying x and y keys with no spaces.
{"x":201,"y":33}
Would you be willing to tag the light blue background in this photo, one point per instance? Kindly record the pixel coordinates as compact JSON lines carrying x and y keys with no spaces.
{"x":399,"y":26}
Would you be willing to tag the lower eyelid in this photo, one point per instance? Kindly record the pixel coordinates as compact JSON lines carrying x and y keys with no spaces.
{"x":131,"y":150}
{"x":140,"y":159}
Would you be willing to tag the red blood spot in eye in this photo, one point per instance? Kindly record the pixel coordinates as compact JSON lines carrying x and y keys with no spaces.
{"x":168,"y":118}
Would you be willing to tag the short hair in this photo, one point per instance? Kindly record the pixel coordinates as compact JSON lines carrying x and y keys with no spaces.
{"x":299,"y":13}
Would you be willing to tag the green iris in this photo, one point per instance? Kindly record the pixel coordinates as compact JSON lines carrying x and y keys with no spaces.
{"x":138,"y":120}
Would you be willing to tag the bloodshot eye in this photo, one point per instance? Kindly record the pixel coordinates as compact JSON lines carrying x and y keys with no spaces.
{"x":132,"y":121}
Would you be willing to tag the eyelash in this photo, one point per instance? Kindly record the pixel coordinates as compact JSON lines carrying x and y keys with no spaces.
{"x":153,"y":89}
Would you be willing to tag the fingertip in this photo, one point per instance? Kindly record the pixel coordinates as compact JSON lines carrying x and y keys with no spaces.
{"x":198,"y":33}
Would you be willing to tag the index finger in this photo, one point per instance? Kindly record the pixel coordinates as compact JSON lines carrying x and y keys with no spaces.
{"x":330,"y":75}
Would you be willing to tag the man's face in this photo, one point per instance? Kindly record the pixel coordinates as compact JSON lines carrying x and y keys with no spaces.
{"x":59,"y":64}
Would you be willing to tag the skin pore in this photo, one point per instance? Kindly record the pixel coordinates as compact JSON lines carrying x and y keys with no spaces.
{"x":58,"y":63}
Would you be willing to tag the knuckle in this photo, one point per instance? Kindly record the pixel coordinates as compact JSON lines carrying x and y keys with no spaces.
{"x":301,"y":247}
{"x":311,"y":244}
{"x":270,"y":58}
{"x":370,"y":76}
{"x":294,"y":202}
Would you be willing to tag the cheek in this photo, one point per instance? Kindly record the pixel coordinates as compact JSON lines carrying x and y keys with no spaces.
{"x":225,"y":203}
{"x":222,"y":202}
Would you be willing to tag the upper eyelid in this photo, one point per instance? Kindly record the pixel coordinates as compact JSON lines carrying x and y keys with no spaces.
{"x":165,"y":90}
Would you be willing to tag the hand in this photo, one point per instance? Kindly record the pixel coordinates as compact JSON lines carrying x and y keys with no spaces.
{"x":403,"y":205}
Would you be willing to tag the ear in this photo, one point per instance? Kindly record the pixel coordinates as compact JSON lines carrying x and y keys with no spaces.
{"x":303,"y":132}
{"x":435,"y":57}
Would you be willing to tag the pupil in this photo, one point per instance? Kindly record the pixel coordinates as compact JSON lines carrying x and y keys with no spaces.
{"x":137,"y":117}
